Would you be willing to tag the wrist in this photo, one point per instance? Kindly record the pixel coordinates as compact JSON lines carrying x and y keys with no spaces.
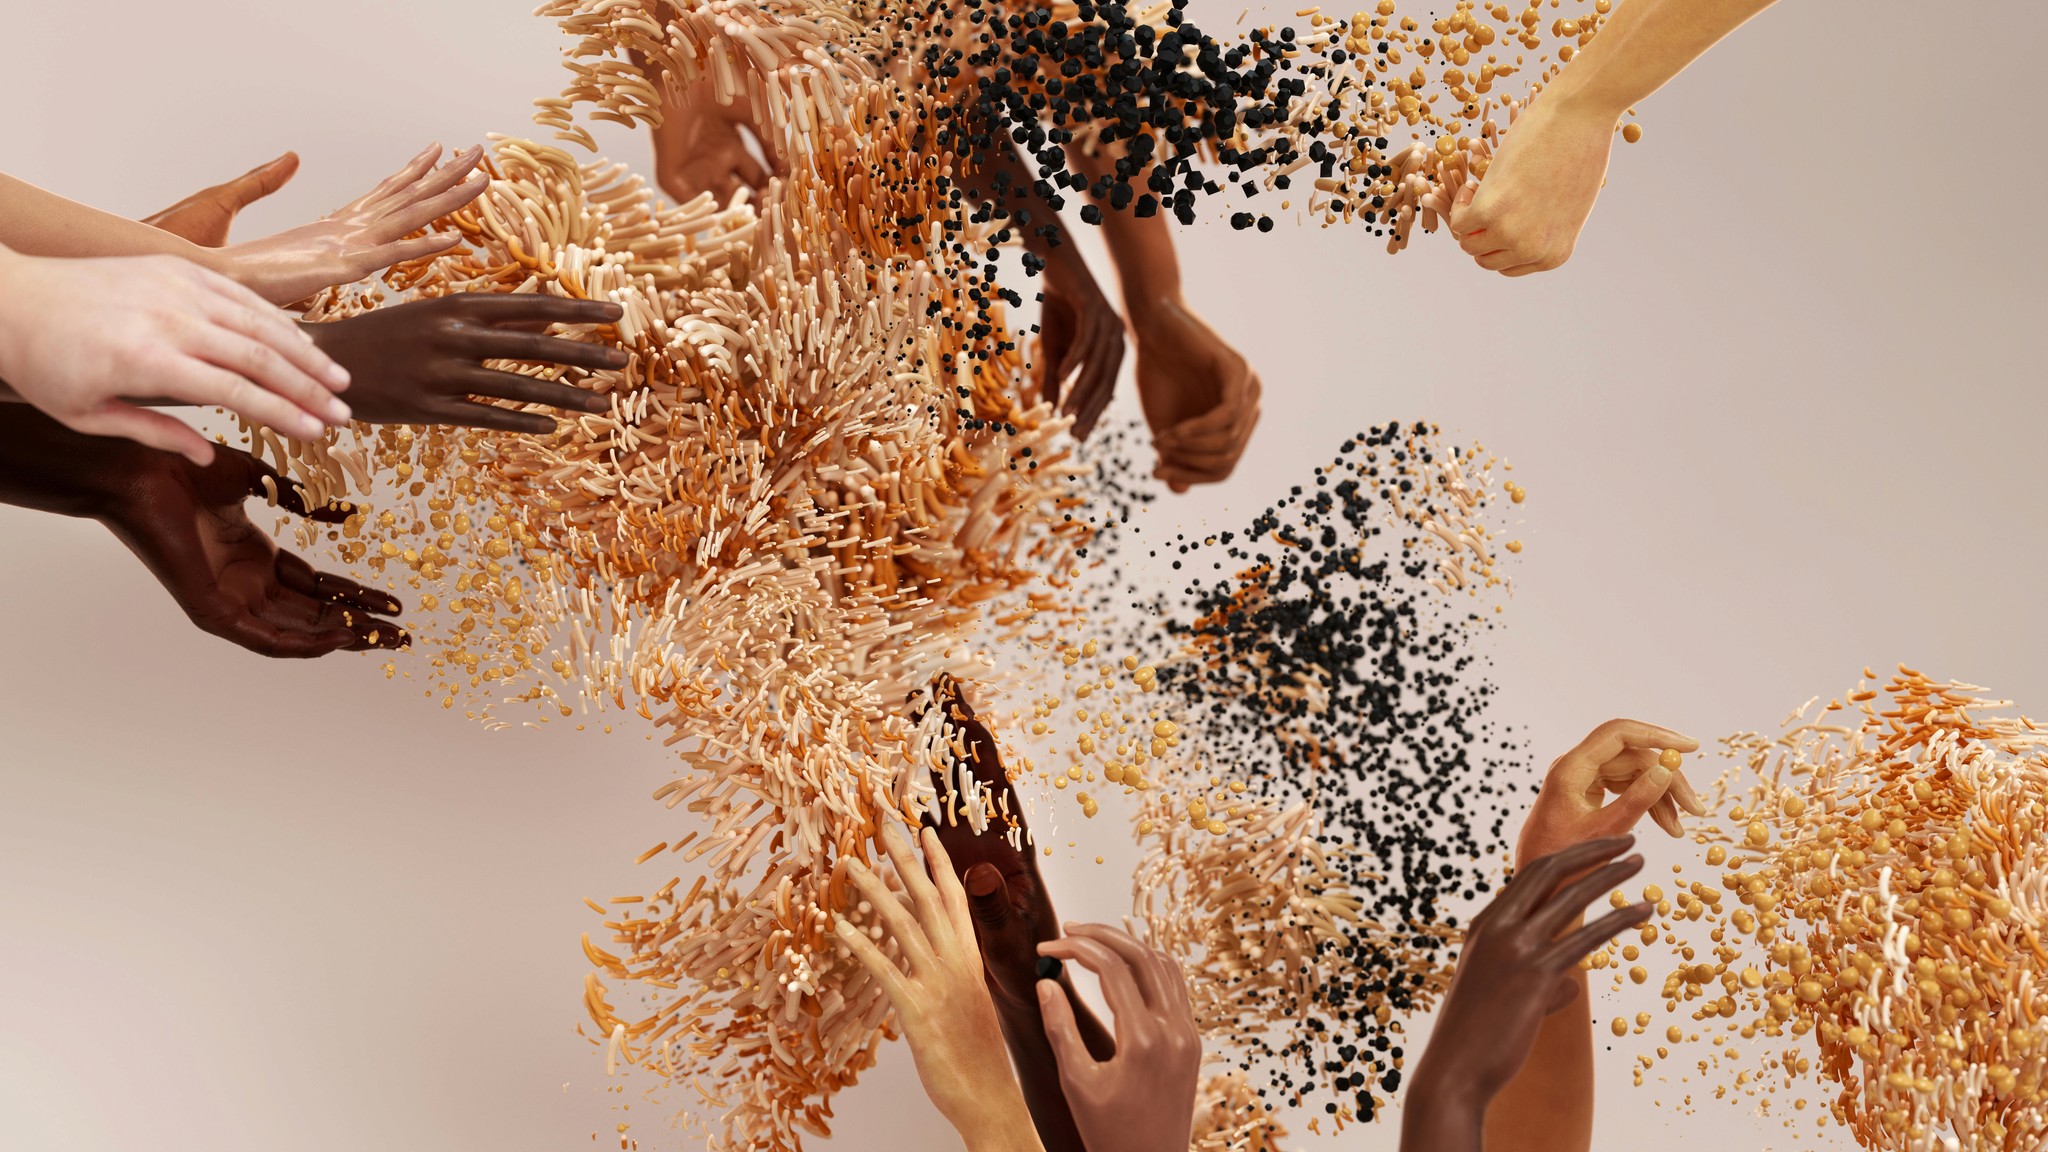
{"x":1577,"y":94}
{"x":999,"y":1125}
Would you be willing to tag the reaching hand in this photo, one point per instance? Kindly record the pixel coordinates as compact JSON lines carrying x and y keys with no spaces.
{"x":361,"y":237}
{"x":187,"y":526}
{"x":939,"y":996}
{"x":420,"y":362}
{"x":1517,"y":968}
{"x":1200,"y":397}
{"x":206,"y":216}
{"x":1526,"y":214}
{"x":79,"y":336}
{"x":1623,"y":756}
{"x":1142,"y":1099}
{"x":700,"y":147}
{"x":1080,"y":336}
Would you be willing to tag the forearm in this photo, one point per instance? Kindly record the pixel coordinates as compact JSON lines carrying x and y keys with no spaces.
{"x":1548,"y":1105}
{"x":1006,"y":1127}
{"x":1038,"y":1070}
{"x":47,"y":467}
{"x":1438,"y":1117}
{"x":1008,"y":184}
{"x":1642,"y":46}
{"x":35,"y":222}
{"x":1141,"y":246}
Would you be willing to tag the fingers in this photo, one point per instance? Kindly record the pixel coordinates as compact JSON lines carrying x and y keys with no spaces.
{"x":932,"y":917}
{"x":420,"y":213}
{"x":951,"y":894}
{"x":1579,"y":767}
{"x":261,"y":181}
{"x":1457,"y":216}
{"x":468,"y":414}
{"x":529,"y":390}
{"x":1534,"y":883}
{"x":290,"y":496}
{"x":1636,"y":802}
{"x":1578,"y":945}
{"x":1119,"y":986}
{"x":154,"y":429}
{"x":879,"y":966}
{"x":401,"y":251}
{"x":536,"y":348}
{"x":391,"y":185}
{"x":202,"y":382}
{"x":988,"y":899}
{"x":897,"y":919}
{"x":748,"y":171}
{"x":532,"y":308}
{"x":1056,"y":1014}
{"x":267,"y":639}
{"x":1143,"y":961}
{"x":294,"y":573}
{"x":1664,"y":814}
{"x":279,"y":356}
{"x":1681,"y":791}
{"x":1569,"y":902}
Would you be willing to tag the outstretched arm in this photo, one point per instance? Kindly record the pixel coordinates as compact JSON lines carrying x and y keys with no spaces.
{"x":1526,"y":214}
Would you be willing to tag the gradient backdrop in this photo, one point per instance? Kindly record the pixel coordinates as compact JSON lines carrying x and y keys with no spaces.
{"x":1775,"y":421}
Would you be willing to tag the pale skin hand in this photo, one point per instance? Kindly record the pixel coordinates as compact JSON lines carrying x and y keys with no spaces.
{"x":940,"y":997}
{"x":1520,"y":956}
{"x":1548,"y":1106}
{"x":1526,"y":215}
{"x":78,"y":337}
{"x":360,"y":238}
{"x":1142,"y":1099}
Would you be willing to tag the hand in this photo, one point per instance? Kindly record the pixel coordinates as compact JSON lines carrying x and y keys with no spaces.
{"x":187,"y":526}
{"x":700,"y":148}
{"x":1619,"y":756}
{"x":1142,"y":1099}
{"x":1525,"y":215}
{"x":361,"y":237}
{"x":77,"y":336}
{"x":940,"y":1000}
{"x":420,"y":362}
{"x":1519,"y":958}
{"x":1200,"y":398}
{"x":205,"y":217}
{"x":1080,"y":336}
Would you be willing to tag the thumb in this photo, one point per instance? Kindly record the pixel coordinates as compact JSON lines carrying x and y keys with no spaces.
{"x":1631,"y":805}
{"x":1561,"y":996}
{"x":1057,"y":1013}
{"x":1463,"y":201}
{"x":988,"y":898}
{"x":261,"y":181}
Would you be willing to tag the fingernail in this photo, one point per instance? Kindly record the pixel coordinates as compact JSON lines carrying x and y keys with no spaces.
{"x":310,"y":427}
{"x":614,"y":311}
{"x":338,"y":413}
{"x":337,"y":376}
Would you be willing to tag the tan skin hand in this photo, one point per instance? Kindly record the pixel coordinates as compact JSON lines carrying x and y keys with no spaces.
{"x":1518,"y":967}
{"x":701,"y":146}
{"x":941,"y":1001}
{"x":1142,"y":1099}
{"x":1548,"y":1106}
{"x":1200,"y":398}
{"x":206,"y":217}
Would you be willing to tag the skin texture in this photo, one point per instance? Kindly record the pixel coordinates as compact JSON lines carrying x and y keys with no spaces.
{"x":1199,"y":396}
{"x":187,"y":525}
{"x":78,"y":337}
{"x":371,"y":233}
{"x":1013,"y":914}
{"x":1526,"y":215}
{"x":1519,"y":959}
{"x":940,"y":999}
{"x":1548,"y":1107}
{"x":701,"y":146}
{"x":208,"y":215}
{"x":420,"y":362}
{"x":1142,"y":1099}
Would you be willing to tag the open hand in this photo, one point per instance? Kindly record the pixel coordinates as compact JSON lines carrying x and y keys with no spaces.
{"x":361,"y":237}
{"x":1142,"y":1099}
{"x":79,"y":338}
{"x":187,"y":526}
{"x":206,"y":216}
{"x":1620,"y":756}
{"x":938,"y":993}
{"x":422,"y":361}
{"x":701,"y":147}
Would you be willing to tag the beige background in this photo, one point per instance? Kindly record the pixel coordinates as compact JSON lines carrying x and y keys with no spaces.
{"x":1775,"y":420}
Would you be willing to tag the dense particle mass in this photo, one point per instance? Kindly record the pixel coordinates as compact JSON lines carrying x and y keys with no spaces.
{"x":1870,"y":931}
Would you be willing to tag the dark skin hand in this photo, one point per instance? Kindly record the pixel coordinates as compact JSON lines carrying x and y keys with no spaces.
{"x":187,"y":526}
{"x":1013,"y":915}
{"x":422,"y":362}
{"x":1517,"y":969}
